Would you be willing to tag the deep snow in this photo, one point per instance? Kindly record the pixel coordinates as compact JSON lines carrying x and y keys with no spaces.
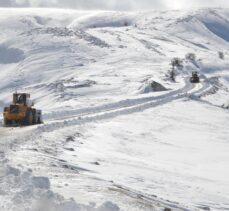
{"x":110,"y":141}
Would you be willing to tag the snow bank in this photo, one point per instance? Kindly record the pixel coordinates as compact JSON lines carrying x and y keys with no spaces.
{"x":21,"y":191}
{"x":101,"y":20}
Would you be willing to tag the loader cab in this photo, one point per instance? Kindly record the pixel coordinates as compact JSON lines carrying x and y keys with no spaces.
{"x":21,"y":98}
{"x":195,"y":78}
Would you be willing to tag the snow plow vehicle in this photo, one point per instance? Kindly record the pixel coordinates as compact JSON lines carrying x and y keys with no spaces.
{"x":21,"y":111}
{"x":195,"y":78}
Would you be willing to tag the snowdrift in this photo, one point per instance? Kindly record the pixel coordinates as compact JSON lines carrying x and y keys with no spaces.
{"x":103,"y":20}
{"x":22,"y":191}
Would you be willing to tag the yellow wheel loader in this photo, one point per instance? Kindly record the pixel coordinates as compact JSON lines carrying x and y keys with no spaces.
{"x":21,"y":111}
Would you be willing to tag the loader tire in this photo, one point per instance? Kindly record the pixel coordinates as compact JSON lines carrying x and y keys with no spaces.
{"x":34,"y":117}
{"x":39,"y":120}
{"x":28,"y":120}
{"x":7,"y":122}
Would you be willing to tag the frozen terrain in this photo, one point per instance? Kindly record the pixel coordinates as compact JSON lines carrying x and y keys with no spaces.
{"x":118,"y":133}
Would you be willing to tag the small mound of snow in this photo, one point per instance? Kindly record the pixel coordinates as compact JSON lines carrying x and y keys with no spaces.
{"x":103,"y":20}
{"x":152,"y":86}
{"x":10,"y":55}
{"x":21,"y":191}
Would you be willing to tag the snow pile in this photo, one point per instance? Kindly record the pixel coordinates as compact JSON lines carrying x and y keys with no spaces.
{"x":21,"y":191}
{"x":101,"y":20}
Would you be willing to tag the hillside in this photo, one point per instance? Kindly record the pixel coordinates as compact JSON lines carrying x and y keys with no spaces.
{"x":110,"y":139}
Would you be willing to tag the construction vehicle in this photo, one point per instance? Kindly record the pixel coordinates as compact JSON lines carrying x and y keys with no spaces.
{"x":21,"y":111}
{"x":195,"y":78}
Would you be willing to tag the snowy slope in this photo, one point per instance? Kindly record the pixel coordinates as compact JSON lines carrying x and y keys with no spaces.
{"x":109,"y":141}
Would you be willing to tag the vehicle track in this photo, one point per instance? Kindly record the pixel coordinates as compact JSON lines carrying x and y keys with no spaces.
{"x":116,"y":105}
{"x":98,"y":113}
{"x":148,"y":198}
{"x":102,"y":113}
{"x":129,"y":106}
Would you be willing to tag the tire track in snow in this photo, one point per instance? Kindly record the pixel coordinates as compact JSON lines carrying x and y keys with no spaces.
{"x":147,"y":198}
{"x":135,"y":106}
{"x":103,"y":112}
{"x":121,"y":108}
{"x":112,"y":106}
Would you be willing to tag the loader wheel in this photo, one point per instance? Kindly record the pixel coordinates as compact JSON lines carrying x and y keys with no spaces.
{"x":28,"y":120}
{"x":7,"y":122}
{"x":34,"y":121}
{"x":39,"y":120}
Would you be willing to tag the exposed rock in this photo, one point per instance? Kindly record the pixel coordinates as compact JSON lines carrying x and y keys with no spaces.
{"x":152,"y":86}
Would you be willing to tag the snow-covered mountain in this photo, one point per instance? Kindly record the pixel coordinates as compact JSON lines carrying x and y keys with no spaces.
{"x":111,"y":138}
